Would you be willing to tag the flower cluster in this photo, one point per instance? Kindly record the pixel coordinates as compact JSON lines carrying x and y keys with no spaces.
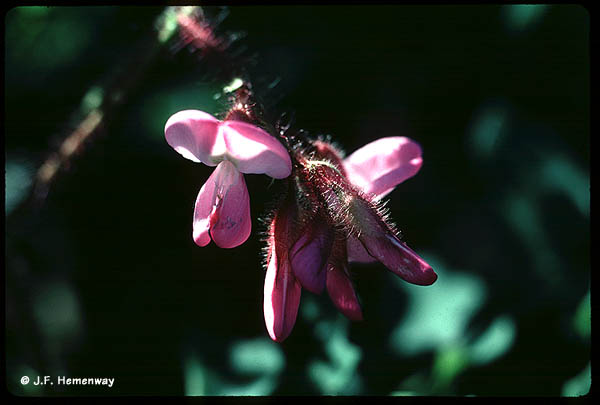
{"x":331,"y":213}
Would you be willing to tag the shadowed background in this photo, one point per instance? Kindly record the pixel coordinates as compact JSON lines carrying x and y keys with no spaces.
{"x":105,"y":280}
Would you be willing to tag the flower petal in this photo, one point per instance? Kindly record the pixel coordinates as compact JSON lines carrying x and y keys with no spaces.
{"x":379,"y":241}
{"x":255,"y":151}
{"x":195,"y":135}
{"x":282,"y":290}
{"x":309,"y":254}
{"x":230,"y":223}
{"x":357,"y":252}
{"x":381,"y":165}
{"x":281,"y":298}
{"x":203,"y":208}
{"x":399,"y":258}
{"x":342,"y":294}
{"x":222,"y":209}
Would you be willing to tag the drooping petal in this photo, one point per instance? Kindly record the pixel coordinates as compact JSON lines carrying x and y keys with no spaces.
{"x":381,"y":165}
{"x":231,"y":224}
{"x":379,"y":241}
{"x":309,"y":254}
{"x":339,"y":286}
{"x":222,"y":209}
{"x":281,"y":299}
{"x":255,"y":151}
{"x":282,"y":290}
{"x":195,"y":135}
{"x":203,"y":209}
{"x":357,"y":252}
{"x":342,"y":294}
{"x":399,"y":258}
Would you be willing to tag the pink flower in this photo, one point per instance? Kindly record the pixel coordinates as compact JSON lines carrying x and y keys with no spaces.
{"x":330,"y":215}
{"x":222,"y":209}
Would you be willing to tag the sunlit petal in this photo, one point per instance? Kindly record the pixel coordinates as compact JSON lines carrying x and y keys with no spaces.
{"x":282,"y":290}
{"x":381,"y":165}
{"x":222,"y":209}
{"x":281,"y":299}
{"x":255,"y":151}
{"x":194,"y":134}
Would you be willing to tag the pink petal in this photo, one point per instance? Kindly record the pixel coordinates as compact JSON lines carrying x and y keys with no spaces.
{"x":282,"y":290}
{"x":379,"y":241}
{"x":200,"y":137}
{"x":381,"y":165}
{"x":255,"y":151}
{"x":399,"y":258}
{"x":357,"y":252}
{"x":342,"y":294}
{"x":309,"y":254}
{"x":194,"y":134}
{"x":281,"y":297}
{"x":222,"y":209}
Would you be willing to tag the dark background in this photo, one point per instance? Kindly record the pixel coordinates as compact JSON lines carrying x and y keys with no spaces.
{"x":104,"y":279}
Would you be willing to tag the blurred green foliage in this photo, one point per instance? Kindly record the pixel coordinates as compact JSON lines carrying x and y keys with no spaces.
{"x":494,"y":341}
{"x":438,"y":319}
{"x":438,"y":315}
{"x":523,"y":214}
{"x":448,"y":363}
{"x":559,"y":173}
{"x":487,"y":131}
{"x":187,"y":96}
{"x":195,"y":379}
{"x":520,"y":17}
{"x":92,"y":99}
{"x":259,"y":358}
{"x":580,"y":384}
{"x":56,"y":310}
{"x":338,"y":375}
{"x":583,"y":319}
{"x":18,"y":179}
{"x":40,"y":40}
